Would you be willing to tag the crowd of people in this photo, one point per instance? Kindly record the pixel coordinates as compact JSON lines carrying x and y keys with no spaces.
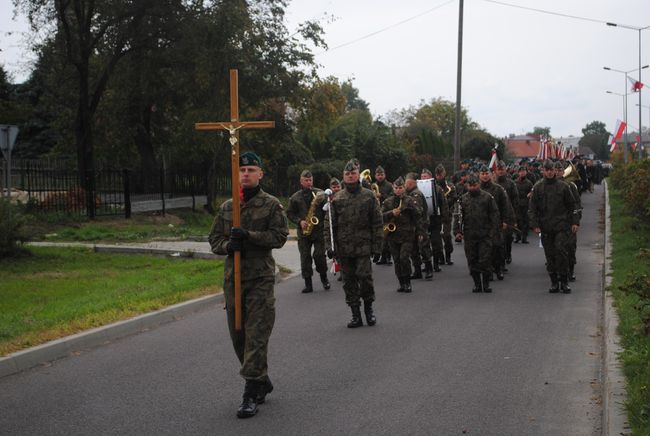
{"x":412,"y":223}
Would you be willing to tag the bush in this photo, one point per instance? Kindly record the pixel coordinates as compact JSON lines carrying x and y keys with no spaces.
{"x":633,"y":181}
{"x":12,"y":233}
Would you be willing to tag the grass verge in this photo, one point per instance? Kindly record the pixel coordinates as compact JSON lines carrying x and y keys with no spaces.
{"x":630,"y":261}
{"x":61,"y":291}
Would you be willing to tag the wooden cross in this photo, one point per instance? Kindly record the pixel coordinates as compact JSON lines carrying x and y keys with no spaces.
{"x":233,"y":126}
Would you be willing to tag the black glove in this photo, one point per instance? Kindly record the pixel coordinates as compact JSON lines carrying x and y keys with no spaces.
{"x":238,"y":233}
{"x":331,"y":254}
{"x":234,"y":245}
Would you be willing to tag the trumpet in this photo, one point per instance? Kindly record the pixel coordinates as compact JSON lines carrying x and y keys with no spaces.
{"x":391,"y":226}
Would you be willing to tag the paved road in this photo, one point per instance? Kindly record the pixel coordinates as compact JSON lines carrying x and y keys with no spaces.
{"x":441,"y":361}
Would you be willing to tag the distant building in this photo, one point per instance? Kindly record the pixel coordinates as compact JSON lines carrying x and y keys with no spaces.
{"x":521,"y":146}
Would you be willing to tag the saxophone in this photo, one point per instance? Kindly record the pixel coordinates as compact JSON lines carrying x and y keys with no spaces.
{"x":391,"y":226}
{"x":311,"y":219}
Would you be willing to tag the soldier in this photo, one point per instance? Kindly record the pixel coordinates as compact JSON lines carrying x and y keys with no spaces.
{"x":263,"y":227}
{"x":450,"y":194}
{"x":553,"y":214}
{"x":421,"y":243}
{"x":573,"y":237}
{"x":357,"y":227}
{"x":505,"y":217}
{"x":309,"y":201}
{"x":385,"y":191}
{"x":440,"y":209}
{"x":478,"y":224}
{"x":524,"y":187}
{"x":400,"y":222}
{"x":506,"y":182}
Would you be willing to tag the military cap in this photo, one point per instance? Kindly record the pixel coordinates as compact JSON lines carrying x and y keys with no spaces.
{"x":350,"y":166}
{"x":440,"y":169}
{"x":249,"y":159}
{"x":462,"y":173}
{"x":426,"y":171}
{"x":467,"y":161}
{"x":522,"y":168}
{"x":548,"y":164}
{"x":334,"y":181}
{"x":399,"y":181}
{"x":379,"y":170}
{"x":411,"y":176}
{"x":501,"y":164}
{"x":472,"y":179}
{"x":306,"y":173}
{"x":483,"y":169}
{"x":559,"y":166}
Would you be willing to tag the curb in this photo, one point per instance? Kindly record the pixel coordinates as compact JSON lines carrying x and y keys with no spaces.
{"x":59,"y":348}
{"x":155,"y":251}
{"x":614,"y":394}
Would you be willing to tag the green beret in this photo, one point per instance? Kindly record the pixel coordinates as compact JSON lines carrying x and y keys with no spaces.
{"x":334,"y":181}
{"x":483,"y":169}
{"x":306,"y":173}
{"x":249,"y":159}
{"x":501,"y":164}
{"x":548,"y":164}
{"x":440,"y":169}
{"x":411,"y":176}
{"x":472,"y":179}
{"x":559,"y":166}
{"x":399,"y":181}
{"x":380,"y":170}
{"x":426,"y":171}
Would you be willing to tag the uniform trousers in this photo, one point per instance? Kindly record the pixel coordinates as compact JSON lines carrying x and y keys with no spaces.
{"x":357,"y":279}
{"x":305,"y":245}
{"x":479,"y":253}
{"x":401,"y":252}
{"x":556,"y":249}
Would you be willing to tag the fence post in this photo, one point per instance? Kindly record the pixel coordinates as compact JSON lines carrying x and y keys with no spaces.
{"x":127,"y":194}
{"x":162,"y":189}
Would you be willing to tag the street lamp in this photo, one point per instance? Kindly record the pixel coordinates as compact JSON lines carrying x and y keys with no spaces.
{"x":625,"y":146}
{"x":638,"y":29}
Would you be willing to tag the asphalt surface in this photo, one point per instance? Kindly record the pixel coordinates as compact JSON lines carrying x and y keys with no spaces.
{"x":440,"y":361}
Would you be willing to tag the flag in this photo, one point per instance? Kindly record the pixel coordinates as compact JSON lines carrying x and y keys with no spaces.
{"x":636,"y":85}
{"x":335,"y":267}
{"x":493,"y":160}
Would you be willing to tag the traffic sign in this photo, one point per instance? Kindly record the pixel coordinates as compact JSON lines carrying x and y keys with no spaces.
{"x":8,"y":134}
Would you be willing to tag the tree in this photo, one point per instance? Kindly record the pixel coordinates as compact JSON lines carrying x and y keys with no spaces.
{"x":595,"y":136}
{"x":541,"y":131}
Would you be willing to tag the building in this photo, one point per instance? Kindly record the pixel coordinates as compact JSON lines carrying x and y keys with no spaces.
{"x":518,"y":147}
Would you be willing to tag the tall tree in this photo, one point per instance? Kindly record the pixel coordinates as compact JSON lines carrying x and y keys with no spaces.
{"x":595,"y":136}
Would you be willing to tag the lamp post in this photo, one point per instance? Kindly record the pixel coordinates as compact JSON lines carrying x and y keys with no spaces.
{"x":648,"y":127}
{"x":625,"y":147}
{"x":638,"y":29}
{"x":459,"y":75}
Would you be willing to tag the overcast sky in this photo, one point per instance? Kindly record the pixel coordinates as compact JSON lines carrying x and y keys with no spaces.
{"x":520,"y":68}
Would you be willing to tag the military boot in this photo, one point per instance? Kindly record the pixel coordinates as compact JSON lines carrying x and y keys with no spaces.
{"x":486,"y":282}
{"x":407,"y":285}
{"x":356,"y":320}
{"x":572,"y":274}
{"x":375,"y":258}
{"x":555,"y":284}
{"x":564,"y":285}
{"x":308,"y":286}
{"x":248,"y":406}
{"x":382,"y":260}
{"x":428,"y":270}
{"x":401,"y":284}
{"x":448,"y":259}
{"x":370,"y":316}
{"x":499,"y":273}
{"x":477,"y":282}
{"x":436,"y":264}
{"x":388,"y":259}
{"x":325,"y":281}
{"x":265,"y":387}
{"x":417,"y":273}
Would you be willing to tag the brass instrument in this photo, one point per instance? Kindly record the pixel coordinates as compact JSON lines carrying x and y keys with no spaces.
{"x":311,"y":218}
{"x":365,"y":176}
{"x":571,"y":174}
{"x":448,"y":189}
{"x":391,"y":226}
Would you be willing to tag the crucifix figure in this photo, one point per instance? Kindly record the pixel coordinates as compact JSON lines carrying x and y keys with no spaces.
{"x":233,"y":127}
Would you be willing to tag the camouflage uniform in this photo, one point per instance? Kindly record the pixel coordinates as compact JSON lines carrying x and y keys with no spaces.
{"x":357,"y":227}
{"x":480,"y":223}
{"x":264,"y":218}
{"x":401,"y":240}
{"x":553,"y":209}
{"x":299,"y":204}
{"x":437,"y":219}
{"x":449,"y":192}
{"x":524,"y":186}
{"x":385,"y":191}
{"x":505,"y":216}
{"x":513,"y":197}
{"x":421,"y":243}
{"x":573,"y":237}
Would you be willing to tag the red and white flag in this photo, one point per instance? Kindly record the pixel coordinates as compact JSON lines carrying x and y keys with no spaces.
{"x":636,"y":85}
{"x":493,"y":160}
{"x":618,"y":132}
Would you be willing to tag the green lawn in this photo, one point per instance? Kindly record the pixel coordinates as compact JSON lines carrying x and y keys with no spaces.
{"x":61,"y":291}
{"x":630,"y":262}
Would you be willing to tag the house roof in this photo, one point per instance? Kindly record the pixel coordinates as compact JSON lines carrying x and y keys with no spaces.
{"x":523,"y":146}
